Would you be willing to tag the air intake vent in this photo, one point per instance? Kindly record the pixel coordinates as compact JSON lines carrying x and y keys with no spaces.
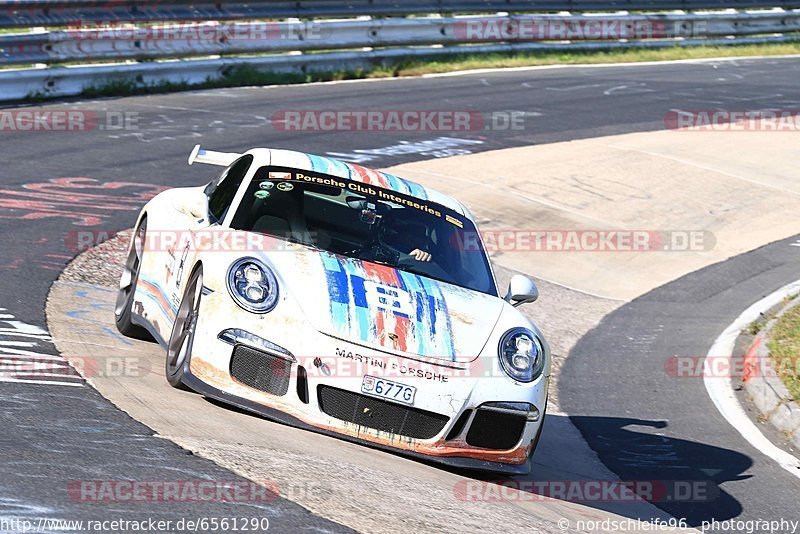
{"x":260,"y":370}
{"x":491,"y":429}
{"x":459,"y":426}
{"x":380,"y":414}
{"x":302,"y":384}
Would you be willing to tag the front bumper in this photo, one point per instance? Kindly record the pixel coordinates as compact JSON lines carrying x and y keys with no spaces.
{"x":299,"y":402}
{"x":273,"y":414}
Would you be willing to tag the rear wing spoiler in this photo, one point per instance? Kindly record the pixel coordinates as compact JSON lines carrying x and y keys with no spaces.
{"x":210,"y":157}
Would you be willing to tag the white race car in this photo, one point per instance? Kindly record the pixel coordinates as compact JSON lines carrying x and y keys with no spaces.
{"x":343,"y":300}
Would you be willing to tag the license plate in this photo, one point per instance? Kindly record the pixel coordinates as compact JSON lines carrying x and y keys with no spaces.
{"x":387,"y":389}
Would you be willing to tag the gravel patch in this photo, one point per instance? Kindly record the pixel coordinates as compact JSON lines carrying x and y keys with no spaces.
{"x":100,"y":265}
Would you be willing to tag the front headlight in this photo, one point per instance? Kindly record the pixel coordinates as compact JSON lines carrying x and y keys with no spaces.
{"x":253,"y":285}
{"x":521,"y":355}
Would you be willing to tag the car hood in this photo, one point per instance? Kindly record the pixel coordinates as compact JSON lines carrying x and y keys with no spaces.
{"x":386,"y":309}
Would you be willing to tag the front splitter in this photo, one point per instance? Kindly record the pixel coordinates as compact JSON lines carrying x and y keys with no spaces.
{"x":272,"y":414}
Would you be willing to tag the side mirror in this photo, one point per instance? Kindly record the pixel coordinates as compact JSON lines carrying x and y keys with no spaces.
{"x":521,"y":290}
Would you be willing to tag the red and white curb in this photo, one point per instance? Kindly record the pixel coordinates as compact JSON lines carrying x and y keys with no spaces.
{"x":721,"y":390}
{"x":768,"y":392}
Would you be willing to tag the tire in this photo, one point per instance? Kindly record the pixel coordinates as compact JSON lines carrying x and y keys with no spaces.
{"x":181,"y":340}
{"x":123,"y":309}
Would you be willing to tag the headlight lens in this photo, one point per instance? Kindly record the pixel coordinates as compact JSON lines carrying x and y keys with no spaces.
{"x":521,"y":355}
{"x":253,"y":285}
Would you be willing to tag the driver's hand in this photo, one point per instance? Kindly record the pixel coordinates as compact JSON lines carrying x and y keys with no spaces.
{"x":420,"y":255}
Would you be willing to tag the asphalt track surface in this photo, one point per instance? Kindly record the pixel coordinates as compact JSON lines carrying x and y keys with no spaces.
{"x":55,"y":434}
{"x":647,"y":423}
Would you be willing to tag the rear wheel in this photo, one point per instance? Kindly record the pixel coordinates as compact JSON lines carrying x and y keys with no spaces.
{"x":123,"y":308}
{"x":179,"y":348}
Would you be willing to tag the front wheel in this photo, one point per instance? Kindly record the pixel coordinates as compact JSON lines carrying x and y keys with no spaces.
{"x":179,"y":348}
{"x":123,"y":308}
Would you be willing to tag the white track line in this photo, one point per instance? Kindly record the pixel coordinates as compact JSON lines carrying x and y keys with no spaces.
{"x":4,"y":379}
{"x":721,"y":389}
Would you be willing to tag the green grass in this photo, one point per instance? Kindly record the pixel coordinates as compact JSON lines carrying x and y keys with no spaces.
{"x":235,"y":77}
{"x":755,"y":327}
{"x":634,"y":55}
{"x":244,"y":76}
{"x":131,"y":87}
{"x":784,"y":349}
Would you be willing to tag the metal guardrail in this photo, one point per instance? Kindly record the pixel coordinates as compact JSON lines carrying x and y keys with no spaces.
{"x":355,"y":43}
{"x":192,"y":40}
{"x":52,"y":13}
{"x":71,"y":81}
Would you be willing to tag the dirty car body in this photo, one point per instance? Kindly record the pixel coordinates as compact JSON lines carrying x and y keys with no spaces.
{"x":343,"y":300}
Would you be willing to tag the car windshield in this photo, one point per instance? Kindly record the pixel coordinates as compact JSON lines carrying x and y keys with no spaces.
{"x":366,"y":222}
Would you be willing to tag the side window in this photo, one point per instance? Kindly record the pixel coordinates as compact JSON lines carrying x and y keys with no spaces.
{"x":226,"y":188}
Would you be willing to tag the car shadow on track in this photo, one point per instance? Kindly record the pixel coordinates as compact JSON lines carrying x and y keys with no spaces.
{"x":681,"y":477}
{"x":654,"y":476}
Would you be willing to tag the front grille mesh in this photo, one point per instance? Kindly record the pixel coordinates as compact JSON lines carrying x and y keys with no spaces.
{"x":495,"y":430}
{"x":260,"y":370}
{"x":380,"y":414}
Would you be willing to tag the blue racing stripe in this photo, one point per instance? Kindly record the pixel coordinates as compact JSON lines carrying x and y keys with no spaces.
{"x":329,"y":166}
{"x":438,"y":309}
{"x":397,"y":184}
{"x":352,"y":316}
{"x":421,"y":326}
{"x":338,"y":292}
{"x":354,"y":270}
{"x":416,"y":190}
{"x":339,"y":168}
